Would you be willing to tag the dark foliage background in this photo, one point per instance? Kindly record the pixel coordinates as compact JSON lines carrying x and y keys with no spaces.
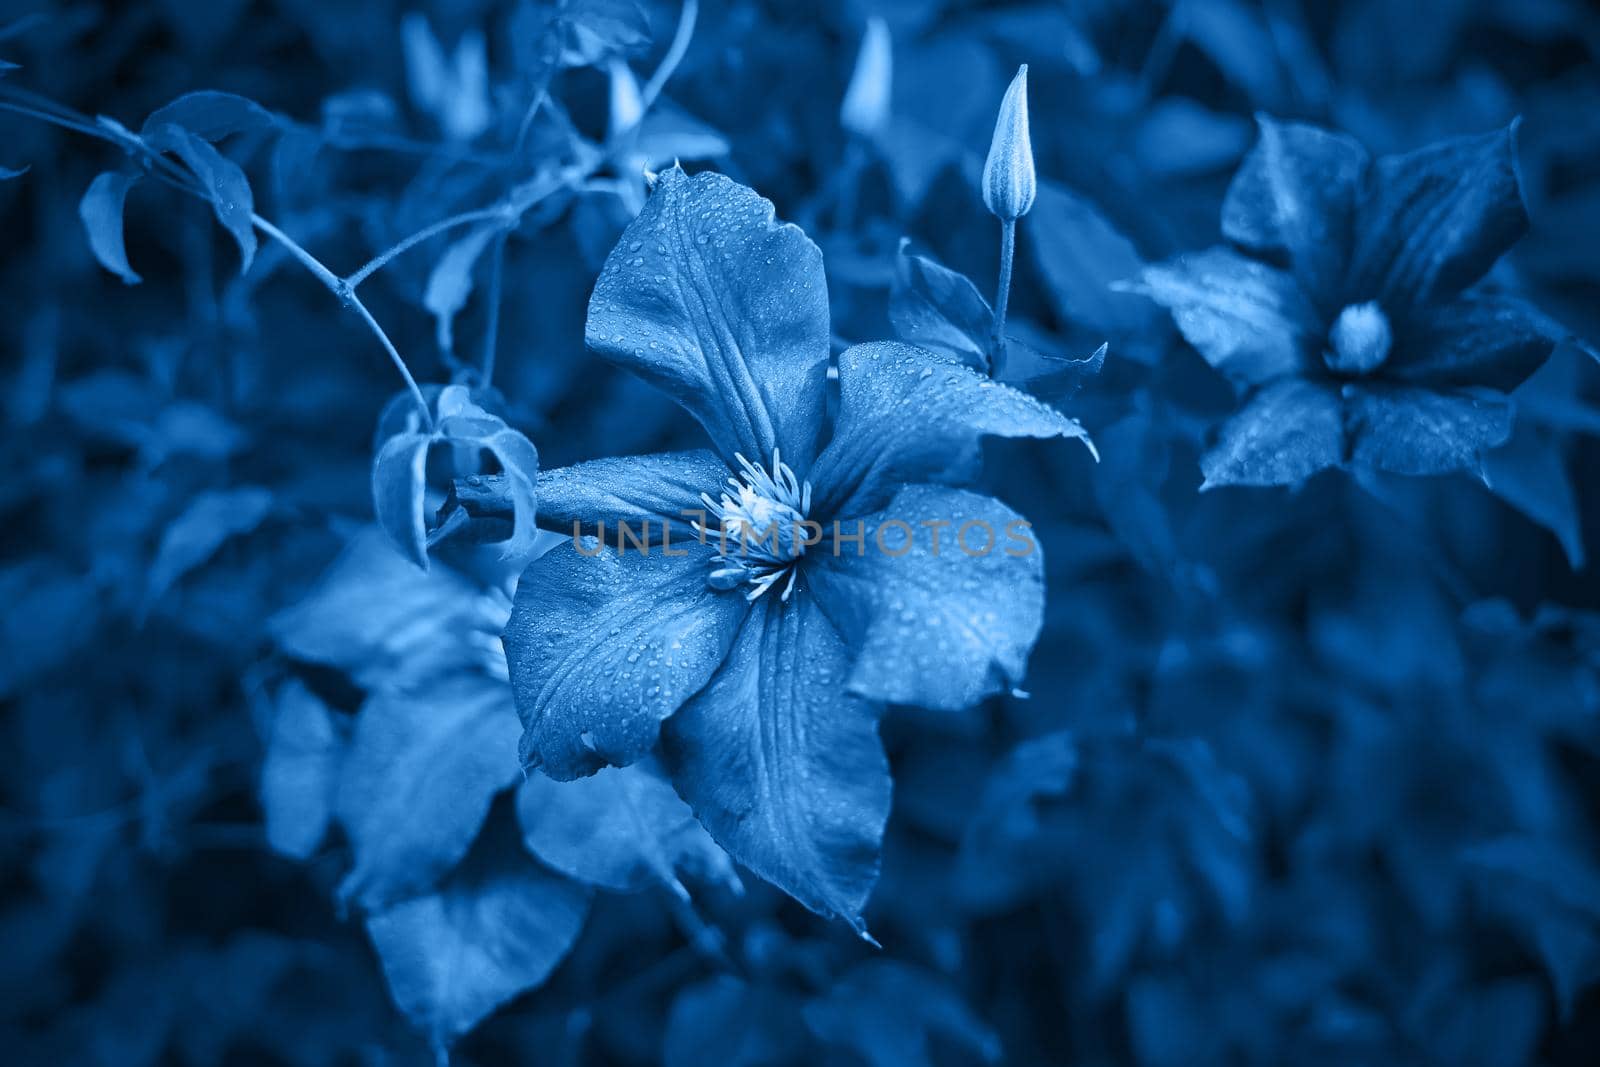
{"x":1303,"y":775}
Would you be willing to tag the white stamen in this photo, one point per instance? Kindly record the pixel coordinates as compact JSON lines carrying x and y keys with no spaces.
{"x":758,"y":520}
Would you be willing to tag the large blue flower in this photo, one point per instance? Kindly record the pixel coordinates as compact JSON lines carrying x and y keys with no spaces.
{"x":1349,"y":306}
{"x":768,"y":656}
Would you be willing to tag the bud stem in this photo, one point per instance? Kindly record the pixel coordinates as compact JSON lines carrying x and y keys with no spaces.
{"x":1002,"y":296}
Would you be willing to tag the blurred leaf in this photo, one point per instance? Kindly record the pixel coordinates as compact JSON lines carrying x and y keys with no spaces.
{"x":450,"y":282}
{"x":101,"y":212}
{"x":893,"y":1015}
{"x":597,"y":30}
{"x":417,"y":781}
{"x":211,"y":519}
{"x":300,"y":774}
{"x":1529,"y":472}
{"x":623,"y":828}
{"x":495,"y":928}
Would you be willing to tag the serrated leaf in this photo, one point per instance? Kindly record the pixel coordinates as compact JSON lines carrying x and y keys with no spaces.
{"x":101,"y":212}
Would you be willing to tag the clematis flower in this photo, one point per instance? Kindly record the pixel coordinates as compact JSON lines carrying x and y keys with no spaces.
{"x":774,"y":590}
{"x":1350,"y":306}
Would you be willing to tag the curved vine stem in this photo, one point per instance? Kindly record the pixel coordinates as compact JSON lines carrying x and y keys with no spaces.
{"x":675,"y":53}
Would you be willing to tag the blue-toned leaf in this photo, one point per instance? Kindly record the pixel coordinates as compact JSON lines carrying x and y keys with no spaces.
{"x":1047,"y":374}
{"x":212,"y":115}
{"x":910,"y":415}
{"x":603,"y":647}
{"x":1550,"y":893}
{"x":782,"y":765}
{"x":1529,"y":472}
{"x":450,"y":282}
{"x":731,"y":1023}
{"x":1288,"y":431}
{"x":1250,"y":321}
{"x":1296,"y":194}
{"x":597,"y":30}
{"x":495,"y":928}
{"x":210,"y":520}
{"x":301,"y":771}
{"x":6,"y":173}
{"x":934,"y":307}
{"x":1237,"y":38}
{"x":1083,"y":258}
{"x":622,"y":828}
{"x":1436,"y":219}
{"x":463,"y":422}
{"x":374,"y":616}
{"x":222,"y":181}
{"x":646,"y":492}
{"x":711,"y":300}
{"x":1419,"y":431}
{"x":101,"y":212}
{"x":1490,"y":339}
{"x":416,"y":783}
{"x":892,"y":1014}
{"x":944,"y":604}
{"x":399,"y":490}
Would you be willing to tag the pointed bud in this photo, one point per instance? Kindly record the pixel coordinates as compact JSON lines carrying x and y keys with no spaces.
{"x":1008,"y":180}
{"x":866,"y":101}
{"x":627,"y":103}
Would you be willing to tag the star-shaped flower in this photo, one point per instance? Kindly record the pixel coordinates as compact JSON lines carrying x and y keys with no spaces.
{"x":740,"y":621}
{"x":1350,"y":306}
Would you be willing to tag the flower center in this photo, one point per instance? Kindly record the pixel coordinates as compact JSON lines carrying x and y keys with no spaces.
{"x":760,"y":530}
{"x":1360,"y":339}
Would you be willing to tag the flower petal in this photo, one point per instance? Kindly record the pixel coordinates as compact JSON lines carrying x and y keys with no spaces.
{"x":944,"y":602}
{"x":1287,"y":432}
{"x":1296,"y":194}
{"x":1421,"y":431}
{"x":1249,"y":320}
{"x":1435,"y":220}
{"x":636,"y":490}
{"x":1488,"y":339}
{"x":708,"y":298}
{"x":910,"y":415}
{"x":603,"y":647}
{"x":782,"y":765}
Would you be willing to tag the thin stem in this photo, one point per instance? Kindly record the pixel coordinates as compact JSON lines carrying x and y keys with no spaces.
{"x":674,"y":56}
{"x":168,"y":172}
{"x":382,"y":259}
{"x":347,"y":296}
{"x":491,"y":329}
{"x":1002,"y":295}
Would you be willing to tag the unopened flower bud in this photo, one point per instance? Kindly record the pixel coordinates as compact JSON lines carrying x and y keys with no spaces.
{"x":1009,"y":184}
{"x":866,"y":101}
